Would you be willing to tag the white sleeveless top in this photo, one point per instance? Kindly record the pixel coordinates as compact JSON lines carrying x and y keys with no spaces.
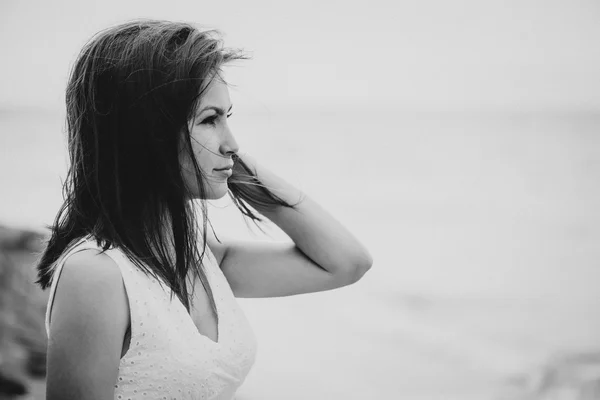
{"x":168,"y":358}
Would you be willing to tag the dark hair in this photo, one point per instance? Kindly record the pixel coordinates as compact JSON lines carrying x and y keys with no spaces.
{"x":129,"y":98}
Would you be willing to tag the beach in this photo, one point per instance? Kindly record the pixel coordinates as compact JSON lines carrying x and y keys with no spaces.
{"x":484,"y":229}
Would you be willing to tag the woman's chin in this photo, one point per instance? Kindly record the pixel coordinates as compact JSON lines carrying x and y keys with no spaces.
{"x":217,"y":193}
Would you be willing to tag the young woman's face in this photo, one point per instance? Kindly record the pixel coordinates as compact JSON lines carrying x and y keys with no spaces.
{"x":213,"y":143}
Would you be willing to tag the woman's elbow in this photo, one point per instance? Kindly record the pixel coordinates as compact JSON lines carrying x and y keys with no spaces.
{"x":361,"y":266}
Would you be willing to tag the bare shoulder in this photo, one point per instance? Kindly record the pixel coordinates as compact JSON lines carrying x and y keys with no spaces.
{"x":90,"y":282}
{"x":92,"y":265}
{"x":89,"y":318}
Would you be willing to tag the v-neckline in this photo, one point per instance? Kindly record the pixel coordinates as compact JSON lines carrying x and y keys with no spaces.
{"x":219,"y":315}
{"x":218,"y":342}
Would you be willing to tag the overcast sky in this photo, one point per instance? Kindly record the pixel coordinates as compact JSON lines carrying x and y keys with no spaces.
{"x":437,"y":54}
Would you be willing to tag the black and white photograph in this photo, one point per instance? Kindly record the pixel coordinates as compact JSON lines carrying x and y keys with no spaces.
{"x":293,"y":200}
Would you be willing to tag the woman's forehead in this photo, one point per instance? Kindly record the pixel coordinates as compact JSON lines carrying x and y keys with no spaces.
{"x":216,"y":94}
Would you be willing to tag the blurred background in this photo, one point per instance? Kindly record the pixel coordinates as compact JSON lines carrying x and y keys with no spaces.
{"x":459,"y":140}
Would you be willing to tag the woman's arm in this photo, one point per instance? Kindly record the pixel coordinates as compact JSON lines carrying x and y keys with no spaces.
{"x":90,"y":316}
{"x":316,"y":232}
{"x":324,"y":254}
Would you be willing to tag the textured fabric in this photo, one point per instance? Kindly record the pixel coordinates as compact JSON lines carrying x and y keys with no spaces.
{"x":168,"y":358}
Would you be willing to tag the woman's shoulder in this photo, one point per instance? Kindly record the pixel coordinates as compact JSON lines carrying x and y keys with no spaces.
{"x":90,"y":319}
{"x":87,"y":257}
{"x":92,"y":267}
{"x":91,"y":287}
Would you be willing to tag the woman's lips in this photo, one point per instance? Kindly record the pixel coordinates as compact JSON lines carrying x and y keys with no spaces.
{"x":225,"y":171}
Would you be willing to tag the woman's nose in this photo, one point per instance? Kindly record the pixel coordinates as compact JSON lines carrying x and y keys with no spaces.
{"x":229,"y":144}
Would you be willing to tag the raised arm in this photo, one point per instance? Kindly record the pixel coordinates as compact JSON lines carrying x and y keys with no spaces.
{"x":322,"y":255}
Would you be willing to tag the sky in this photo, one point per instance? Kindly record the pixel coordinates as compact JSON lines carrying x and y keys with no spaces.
{"x":435,"y":54}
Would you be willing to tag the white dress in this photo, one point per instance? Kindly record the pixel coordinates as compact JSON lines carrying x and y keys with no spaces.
{"x":168,"y":358}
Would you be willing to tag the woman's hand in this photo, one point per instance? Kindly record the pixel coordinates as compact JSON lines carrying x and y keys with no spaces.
{"x":259,"y":187}
{"x":244,"y":169}
{"x":244,"y":163}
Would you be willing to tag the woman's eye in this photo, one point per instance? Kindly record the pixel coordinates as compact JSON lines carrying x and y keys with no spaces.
{"x":212,"y":120}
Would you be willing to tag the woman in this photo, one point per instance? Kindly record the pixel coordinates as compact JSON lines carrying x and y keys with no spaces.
{"x":145,"y":305}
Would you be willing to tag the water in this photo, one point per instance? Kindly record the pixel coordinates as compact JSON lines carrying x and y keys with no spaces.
{"x":484,"y":230}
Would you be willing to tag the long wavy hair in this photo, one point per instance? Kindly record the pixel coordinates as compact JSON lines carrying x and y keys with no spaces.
{"x":131,"y":93}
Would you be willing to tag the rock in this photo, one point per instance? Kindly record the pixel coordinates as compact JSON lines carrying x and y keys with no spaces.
{"x":570,"y":376}
{"x":11,"y":386}
{"x":22,"y":307}
{"x":13,"y":239}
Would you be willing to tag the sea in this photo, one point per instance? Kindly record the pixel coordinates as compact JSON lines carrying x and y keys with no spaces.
{"x":484,"y":228}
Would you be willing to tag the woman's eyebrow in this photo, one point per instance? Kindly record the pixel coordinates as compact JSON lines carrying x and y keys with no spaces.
{"x":218,"y":110}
